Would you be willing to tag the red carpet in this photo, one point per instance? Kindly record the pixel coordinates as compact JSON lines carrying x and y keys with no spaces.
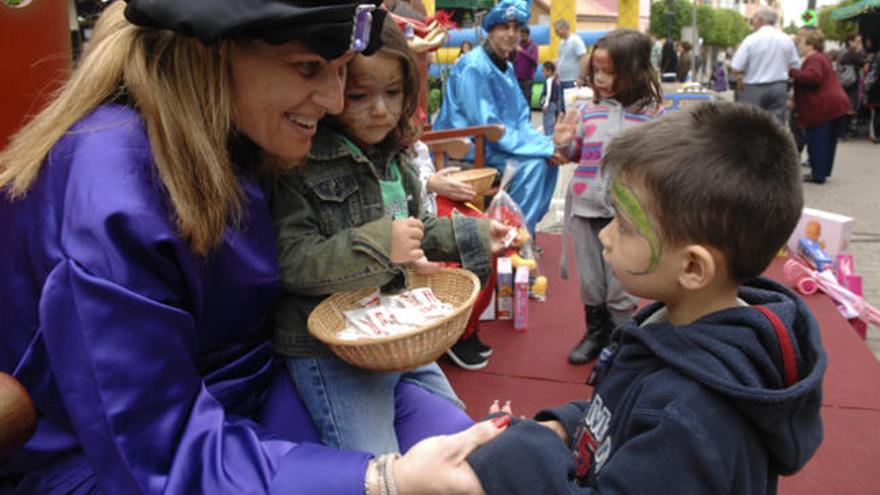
{"x":531,"y":369}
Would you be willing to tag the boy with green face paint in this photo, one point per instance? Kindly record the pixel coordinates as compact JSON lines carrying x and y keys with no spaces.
{"x":626,"y":203}
{"x":716,"y":388}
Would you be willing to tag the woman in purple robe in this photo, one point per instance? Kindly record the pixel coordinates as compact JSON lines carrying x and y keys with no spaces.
{"x":138,"y":262}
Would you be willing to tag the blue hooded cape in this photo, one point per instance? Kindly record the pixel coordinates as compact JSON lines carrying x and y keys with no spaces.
{"x":479,"y":93}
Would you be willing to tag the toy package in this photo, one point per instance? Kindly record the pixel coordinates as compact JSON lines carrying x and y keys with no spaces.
{"x":829,"y":231}
{"x":521,"y":299}
{"x":504,"y":299}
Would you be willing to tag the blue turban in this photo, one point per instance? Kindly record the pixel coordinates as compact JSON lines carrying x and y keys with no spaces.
{"x":508,"y":10}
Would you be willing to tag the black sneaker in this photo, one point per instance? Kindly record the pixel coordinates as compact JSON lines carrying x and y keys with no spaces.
{"x":482,"y":348}
{"x":465,"y":354}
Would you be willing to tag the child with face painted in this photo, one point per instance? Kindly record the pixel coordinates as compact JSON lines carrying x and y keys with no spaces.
{"x":626,"y":94}
{"x":716,"y":387}
{"x":351,"y":218}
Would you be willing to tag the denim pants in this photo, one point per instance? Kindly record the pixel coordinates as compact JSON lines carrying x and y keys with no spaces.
{"x":550,"y":115}
{"x":822,"y":146}
{"x":353,"y":408}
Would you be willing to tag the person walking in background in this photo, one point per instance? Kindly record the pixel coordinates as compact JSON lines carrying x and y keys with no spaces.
{"x":821,"y":104}
{"x":761,"y":65}
{"x":552,"y":103}
{"x":571,"y":54}
{"x":685,"y":63}
{"x":849,"y":68}
{"x":525,"y":60}
{"x":626,"y":94}
{"x":668,"y":62}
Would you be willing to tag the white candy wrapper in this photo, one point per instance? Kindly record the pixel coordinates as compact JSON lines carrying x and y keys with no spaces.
{"x":381,"y":316}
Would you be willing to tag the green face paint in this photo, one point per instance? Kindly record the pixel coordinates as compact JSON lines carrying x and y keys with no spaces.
{"x":629,"y":205}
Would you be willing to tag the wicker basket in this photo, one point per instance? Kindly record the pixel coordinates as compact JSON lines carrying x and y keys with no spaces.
{"x":407,"y":350}
{"x":480,"y":179}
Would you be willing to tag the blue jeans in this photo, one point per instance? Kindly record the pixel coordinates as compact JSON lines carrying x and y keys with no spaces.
{"x":550,"y":115}
{"x":821,"y":148}
{"x":353,"y":408}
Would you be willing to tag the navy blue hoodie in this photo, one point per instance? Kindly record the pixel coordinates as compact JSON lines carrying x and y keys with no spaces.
{"x":721,"y":406}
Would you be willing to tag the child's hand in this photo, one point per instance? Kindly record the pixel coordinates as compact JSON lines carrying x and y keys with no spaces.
{"x":425,"y":267}
{"x":566,"y":127}
{"x":497,"y":408}
{"x":557,"y":428}
{"x":497,"y":232}
{"x":406,"y":240}
{"x":444,"y":185}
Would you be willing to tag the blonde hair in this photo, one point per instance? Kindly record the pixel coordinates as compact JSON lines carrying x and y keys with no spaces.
{"x":182,"y":90}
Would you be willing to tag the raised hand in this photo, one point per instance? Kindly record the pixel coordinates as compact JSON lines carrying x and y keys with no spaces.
{"x":406,"y":240}
{"x":566,"y":127}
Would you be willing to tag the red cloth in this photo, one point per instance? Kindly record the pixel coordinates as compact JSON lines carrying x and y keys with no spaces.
{"x":818,"y":95}
{"x":445,"y":207}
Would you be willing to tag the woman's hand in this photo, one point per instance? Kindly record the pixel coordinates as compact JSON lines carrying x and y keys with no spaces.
{"x":444,"y":185}
{"x":437,"y":465}
{"x":406,"y":240}
{"x":566,"y":127}
{"x":497,"y":233}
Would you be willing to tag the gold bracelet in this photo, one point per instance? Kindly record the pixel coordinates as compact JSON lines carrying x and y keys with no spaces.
{"x":383,"y":484}
{"x":390,"y":486}
{"x":374,"y":464}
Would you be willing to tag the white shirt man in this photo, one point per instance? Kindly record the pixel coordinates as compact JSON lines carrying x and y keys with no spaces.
{"x":761,"y":65}
{"x":571,"y":50}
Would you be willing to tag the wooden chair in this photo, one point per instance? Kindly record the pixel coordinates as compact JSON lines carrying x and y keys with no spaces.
{"x":447,"y":142}
{"x":443,"y":149}
{"x":18,"y":418}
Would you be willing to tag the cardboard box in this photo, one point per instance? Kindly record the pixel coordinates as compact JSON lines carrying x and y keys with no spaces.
{"x":504,"y":297}
{"x":834,"y":230}
{"x":521,"y":299}
{"x":489,"y":312}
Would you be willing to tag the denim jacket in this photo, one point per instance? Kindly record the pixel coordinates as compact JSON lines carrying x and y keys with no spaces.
{"x":334,"y":236}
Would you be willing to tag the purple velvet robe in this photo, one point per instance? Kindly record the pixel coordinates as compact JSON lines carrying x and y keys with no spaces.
{"x":151,"y":368}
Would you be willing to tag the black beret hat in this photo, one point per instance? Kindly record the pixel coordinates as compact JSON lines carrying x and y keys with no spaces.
{"x":326,"y":26}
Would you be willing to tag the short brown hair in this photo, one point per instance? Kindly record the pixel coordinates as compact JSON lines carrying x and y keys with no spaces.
{"x":721,"y":174}
{"x":634,"y":77}
{"x":814,"y":38}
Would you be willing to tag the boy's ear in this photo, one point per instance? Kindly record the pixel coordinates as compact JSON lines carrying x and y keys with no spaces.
{"x":699,"y":267}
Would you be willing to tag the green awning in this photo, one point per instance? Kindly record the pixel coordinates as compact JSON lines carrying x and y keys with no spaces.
{"x":855,"y":9}
{"x":464,"y":4}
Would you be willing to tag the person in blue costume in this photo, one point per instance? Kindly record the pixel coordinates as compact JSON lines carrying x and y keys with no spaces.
{"x":139,"y":262}
{"x":482,"y":89}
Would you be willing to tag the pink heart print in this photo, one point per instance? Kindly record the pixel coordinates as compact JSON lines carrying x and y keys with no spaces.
{"x":579,"y":188}
{"x":589,"y":130}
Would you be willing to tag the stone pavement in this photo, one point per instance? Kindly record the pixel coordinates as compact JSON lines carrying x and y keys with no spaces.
{"x":853,"y":190}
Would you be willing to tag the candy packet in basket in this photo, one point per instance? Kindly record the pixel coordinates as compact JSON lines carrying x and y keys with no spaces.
{"x":380,"y":316}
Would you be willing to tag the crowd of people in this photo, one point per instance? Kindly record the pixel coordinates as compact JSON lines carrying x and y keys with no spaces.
{"x":208,"y":175}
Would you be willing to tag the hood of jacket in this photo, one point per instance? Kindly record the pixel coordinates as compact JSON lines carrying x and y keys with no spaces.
{"x":767,"y":358}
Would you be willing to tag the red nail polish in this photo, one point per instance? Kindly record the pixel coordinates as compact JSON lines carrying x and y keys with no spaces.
{"x":501,"y":421}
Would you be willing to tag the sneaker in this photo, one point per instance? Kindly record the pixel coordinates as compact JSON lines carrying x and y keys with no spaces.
{"x":482,"y":348}
{"x":465,"y":354}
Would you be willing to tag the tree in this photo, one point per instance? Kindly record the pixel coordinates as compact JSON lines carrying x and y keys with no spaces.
{"x":682,"y":11}
{"x":791,"y":29}
{"x":835,"y":30}
{"x":717,"y":27}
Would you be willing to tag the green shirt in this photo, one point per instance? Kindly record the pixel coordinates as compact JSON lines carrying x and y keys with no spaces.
{"x":393,"y":193}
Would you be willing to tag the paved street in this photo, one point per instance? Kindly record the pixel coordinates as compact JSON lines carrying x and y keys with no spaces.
{"x":853,"y":190}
